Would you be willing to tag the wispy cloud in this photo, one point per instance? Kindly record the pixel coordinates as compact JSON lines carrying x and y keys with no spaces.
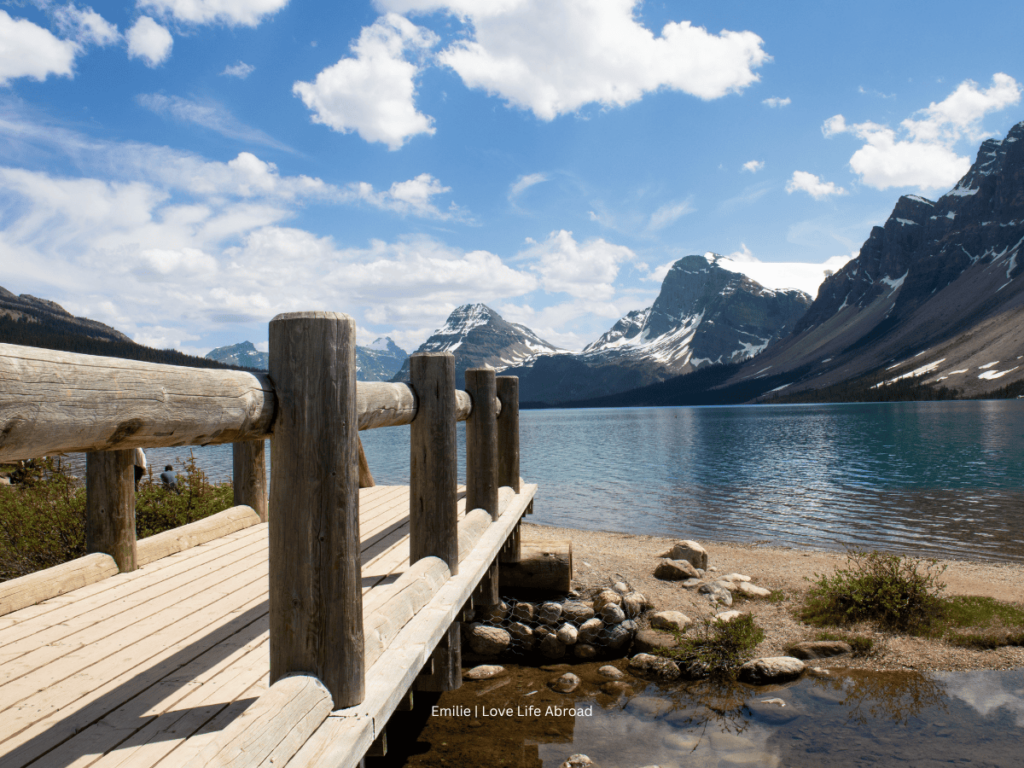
{"x":802,"y":181}
{"x":775,"y":102}
{"x":241,"y":70}
{"x":753,"y":166}
{"x":523,"y":183}
{"x":669,"y":213}
{"x":209,"y":115}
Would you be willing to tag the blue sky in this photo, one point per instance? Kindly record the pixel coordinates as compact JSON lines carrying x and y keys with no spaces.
{"x":186,"y":169}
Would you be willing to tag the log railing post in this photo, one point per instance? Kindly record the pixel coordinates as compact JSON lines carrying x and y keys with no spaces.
{"x":482,"y":442}
{"x":110,"y":506}
{"x":433,"y":472}
{"x":316,"y":604}
{"x":249,"y":476}
{"x":508,"y":454}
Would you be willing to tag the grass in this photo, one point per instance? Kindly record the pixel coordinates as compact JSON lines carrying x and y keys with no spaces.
{"x":905,"y":595}
{"x":42,"y":518}
{"x":715,"y":649}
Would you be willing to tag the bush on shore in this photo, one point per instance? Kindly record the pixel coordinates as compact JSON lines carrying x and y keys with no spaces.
{"x":42,"y":518}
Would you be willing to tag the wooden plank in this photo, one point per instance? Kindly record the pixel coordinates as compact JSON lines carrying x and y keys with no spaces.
{"x":273,"y":729}
{"x":42,"y":585}
{"x":61,"y":402}
{"x":316,"y":606}
{"x":482,"y":442}
{"x":249,"y":476}
{"x":110,"y":506}
{"x":508,"y":431}
{"x":193,"y":534}
{"x":445,"y":664}
{"x":365,"y":476}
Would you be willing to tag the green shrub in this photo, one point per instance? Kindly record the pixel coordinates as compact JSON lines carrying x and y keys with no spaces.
{"x":716,"y":649}
{"x":891,"y":590}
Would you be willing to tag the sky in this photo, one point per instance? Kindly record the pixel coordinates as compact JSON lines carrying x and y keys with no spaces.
{"x":184,"y":170}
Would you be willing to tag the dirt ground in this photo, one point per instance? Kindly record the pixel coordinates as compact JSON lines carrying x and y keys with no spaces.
{"x":602,"y":558}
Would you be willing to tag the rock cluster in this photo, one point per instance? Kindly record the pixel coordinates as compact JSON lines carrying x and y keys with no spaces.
{"x":687,"y":562}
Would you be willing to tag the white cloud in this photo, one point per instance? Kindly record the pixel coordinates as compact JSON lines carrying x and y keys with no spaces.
{"x":921,"y":154}
{"x":373,"y":93}
{"x":28,"y":50}
{"x":246,"y":13}
{"x":208,"y":114}
{"x":586,"y":271}
{"x":753,"y":166}
{"x":669,"y":213}
{"x":413,"y":196}
{"x":148,"y":41}
{"x":775,"y":102}
{"x":554,"y":56}
{"x":801,"y":181}
{"x":241,"y":70}
{"x":570,"y":325}
{"x":85,"y":25}
{"x":523,"y":183}
{"x":743,"y":255}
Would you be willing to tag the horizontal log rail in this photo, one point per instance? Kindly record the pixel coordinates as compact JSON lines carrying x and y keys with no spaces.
{"x":62,"y":402}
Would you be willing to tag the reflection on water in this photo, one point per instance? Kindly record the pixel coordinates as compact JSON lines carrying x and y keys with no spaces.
{"x":927,"y":478}
{"x":849,"y":718}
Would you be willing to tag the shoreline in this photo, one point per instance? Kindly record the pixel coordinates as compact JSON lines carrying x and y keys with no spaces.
{"x":602,"y":557}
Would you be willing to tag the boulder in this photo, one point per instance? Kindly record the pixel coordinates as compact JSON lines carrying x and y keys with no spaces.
{"x":633,"y":604}
{"x":576,"y":611}
{"x":690,"y":551}
{"x":726,"y":616}
{"x":612,"y":673}
{"x":484,"y":672}
{"x":488,"y":641}
{"x":747,"y":589}
{"x":567,"y":683}
{"x":616,"y":638}
{"x":773,"y":669}
{"x":604,"y":597}
{"x":675,"y":570}
{"x":523,"y":635}
{"x":716,"y":594}
{"x":492,"y":614}
{"x":654,"y":666}
{"x":647,"y":640}
{"x":670,"y":620}
{"x":551,"y":648}
{"x":524,"y":612}
{"x":585,"y":651}
{"x":549,"y":613}
{"x":612,"y":614}
{"x":567,"y":634}
{"x":819,"y":649}
{"x":589,"y":631}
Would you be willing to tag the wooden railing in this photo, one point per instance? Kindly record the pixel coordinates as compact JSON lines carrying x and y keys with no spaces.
{"x":312,"y":407}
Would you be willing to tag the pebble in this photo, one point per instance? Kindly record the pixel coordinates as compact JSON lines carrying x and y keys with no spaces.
{"x":612,"y":673}
{"x":484,"y":672}
{"x":567,"y":683}
{"x":620,"y":587}
{"x":578,"y":761}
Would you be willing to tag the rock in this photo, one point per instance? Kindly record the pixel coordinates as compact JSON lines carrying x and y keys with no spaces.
{"x":716,"y":594}
{"x":557,"y":667}
{"x":541,"y":632}
{"x":731,"y":586}
{"x":483,"y":672}
{"x":633,"y":604}
{"x":578,"y":761}
{"x":567,"y":683}
{"x":551,"y":648}
{"x":650,"y":706}
{"x":683,"y":742}
{"x":621,"y":587}
{"x":772,"y":711}
{"x":690,"y":551}
{"x":773,"y":669}
{"x":585,"y":651}
{"x":522,"y":635}
{"x":524,"y":612}
{"x":549,"y":613}
{"x":734,"y":577}
{"x":612,"y":614}
{"x":577,"y":612}
{"x":647,"y":640}
{"x":675,"y":570}
{"x":630,"y":625}
{"x":604,"y":597}
{"x":493,"y":614}
{"x":691,"y":583}
{"x":589,"y":631}
{"x":612,"y":673}
{"x":654,"y":666}
{"x":726,"y":616}
{"x":747,"y":589}
{"x":616,"y":638}
{"x":670,"y":620}
{"x":488,"y":641}
{"x":701,"y":572}
{"x":818,"y":672}
{"x":616,"y":688}
{"x":567,"y":634}
{"x":819,"y":649}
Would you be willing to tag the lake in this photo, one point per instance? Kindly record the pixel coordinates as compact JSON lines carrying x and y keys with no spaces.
{"x":931,"y":478}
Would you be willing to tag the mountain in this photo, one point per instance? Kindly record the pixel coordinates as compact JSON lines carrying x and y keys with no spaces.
{"x":477,"y":335}
{"x":704,"y":315}
{"x":377,"y":362}
{"x":44,"y":314}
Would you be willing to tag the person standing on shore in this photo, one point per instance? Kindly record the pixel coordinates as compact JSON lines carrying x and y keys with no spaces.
{"x":140,"y":466}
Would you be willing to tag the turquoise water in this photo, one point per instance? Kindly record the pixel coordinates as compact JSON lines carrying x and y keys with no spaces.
{"x":941,"y":478}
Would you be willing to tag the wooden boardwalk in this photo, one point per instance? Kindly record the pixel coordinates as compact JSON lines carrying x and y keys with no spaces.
{"x":147,"y":668}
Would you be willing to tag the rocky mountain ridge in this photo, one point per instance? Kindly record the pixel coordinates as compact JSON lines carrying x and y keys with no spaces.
{"x":378,"y":361}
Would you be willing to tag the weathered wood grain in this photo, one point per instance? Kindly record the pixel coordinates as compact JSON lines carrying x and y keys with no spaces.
{"x":482,"y":442}
{"x":273,"y":729}
{"x":64,"y":402}
{"x":316,"y":606}
{"x":201,"y":531}
{"x":508,"y":431}
{"x":249,"y":476}
{"x":110,"y":506}
{"x":433,"y":524}
{"x":384,"y":404}
{"x":42,"y":585}
{"x":365,"y":476}
{"x":445,"y":664}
